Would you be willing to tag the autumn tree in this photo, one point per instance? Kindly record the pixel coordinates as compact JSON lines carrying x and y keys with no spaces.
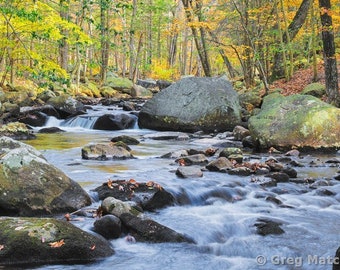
{"x":331,"y":72}
{"x":287,"y":36}
{"x":64,"y":46}
{"x":105,"y":38}
{"x":194,"y":15}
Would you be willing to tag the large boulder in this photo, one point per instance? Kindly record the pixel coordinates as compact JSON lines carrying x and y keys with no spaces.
{"x":192,"y":104}
{"x":30,"y":186}
{"x":298,"y":120}
{"x":27,"y":241}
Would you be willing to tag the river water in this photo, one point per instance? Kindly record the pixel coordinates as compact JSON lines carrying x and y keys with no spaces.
{"x":219,"y":210}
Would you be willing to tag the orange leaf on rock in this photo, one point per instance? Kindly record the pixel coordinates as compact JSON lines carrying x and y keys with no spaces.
{"x":57,"y":244}
{"x":150,"y":184}
{"x":109,"y":184}
{"x":132,"y":181}
{"x":181,"y":162}
{"x":67,"y":217}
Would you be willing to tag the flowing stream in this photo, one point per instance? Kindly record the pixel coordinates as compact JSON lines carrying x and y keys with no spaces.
{"x":218,"y":210}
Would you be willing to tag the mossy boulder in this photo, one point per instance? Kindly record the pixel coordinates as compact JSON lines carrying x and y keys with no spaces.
{"x":123,"y":85}
{"x":108,"y":92}
{"x":192,"y":104}
{"x":141,"y":92}
{"x":90,"y":89}
{"x":30,"y":186}
{"x":314,"y":89}
{"x":250,"y":99}
{"x":16,"y":130}
{"x":37,"y":241}
{"x":19,"y":98}
{"x":46,"y":95}
{"x":302,"y":121}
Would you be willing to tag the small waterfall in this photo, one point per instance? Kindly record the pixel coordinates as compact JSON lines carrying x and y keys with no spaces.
{"x":84,"y":121}
{"x":109,"y":119}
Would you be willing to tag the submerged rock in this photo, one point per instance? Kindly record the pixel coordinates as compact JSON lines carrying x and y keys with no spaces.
{"x":170,"y":135}
{"x":266,"y":226}
{"x":151,"y":231}
{"x":37,"y":241}
{"x":125,"y":139}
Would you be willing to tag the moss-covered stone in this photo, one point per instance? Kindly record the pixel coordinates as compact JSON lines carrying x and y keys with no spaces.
{"x":30,"y":186}
{"x":123,"y":85}
{"x":108,"y":92}
{"x":16,"y":130}
{"x":297,"y":120}
{"x":27,"y":241}
{"x":314,"y":89}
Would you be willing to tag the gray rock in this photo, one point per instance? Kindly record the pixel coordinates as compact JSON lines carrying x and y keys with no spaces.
{"x":167,"y":136}
{"x":221,"y":164}
{"x":109,"y":226}
{"x":266,"y":226}
{"x":242,"y":171}
{"x":240,"y":133}
{"x":148,"y":196}
{"x":187,"y":172}
{"x":116,"y":207}
{"x":115,"y":122}
{"x":192,"y":104}
{"x":198,"y":159}
{"x":66,"y":105}
{"x":102,"y":151}
{"x":151,"y":231}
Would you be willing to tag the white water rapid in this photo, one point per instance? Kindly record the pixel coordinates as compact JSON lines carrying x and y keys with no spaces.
{"x":218,"y":210}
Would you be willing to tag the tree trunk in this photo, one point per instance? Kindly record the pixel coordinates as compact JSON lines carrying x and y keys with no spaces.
{"x":64,"y":47}
{"x":331,"y":72}
{"x":149,"y":36}
{"x":105,"y":39}
{"x":199,"y":40}
{"x":293,"y":29}
{"x":133,"y":55}
{"x":232,"y":72}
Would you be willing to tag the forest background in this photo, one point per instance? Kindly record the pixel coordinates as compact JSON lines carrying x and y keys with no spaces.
{"x":254,"y":42}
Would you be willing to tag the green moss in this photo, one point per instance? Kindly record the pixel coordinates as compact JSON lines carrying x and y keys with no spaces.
{"x":300,"y":120}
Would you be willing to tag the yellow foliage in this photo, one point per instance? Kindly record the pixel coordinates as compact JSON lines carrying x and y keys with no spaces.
{"x":160,"y":70}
